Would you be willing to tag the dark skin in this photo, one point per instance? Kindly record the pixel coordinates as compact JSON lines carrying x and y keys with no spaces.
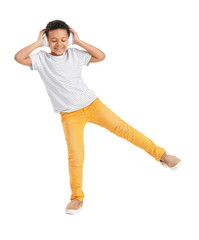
{"x":58,"y":43}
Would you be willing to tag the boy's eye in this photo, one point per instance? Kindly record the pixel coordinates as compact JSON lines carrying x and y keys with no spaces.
{"x":62,"y":41}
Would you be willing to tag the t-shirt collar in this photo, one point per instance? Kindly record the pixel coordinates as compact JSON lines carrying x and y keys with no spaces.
{"x":58,"y":58}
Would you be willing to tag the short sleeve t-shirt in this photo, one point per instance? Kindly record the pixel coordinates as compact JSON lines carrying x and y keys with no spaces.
{"x":62,"y":78}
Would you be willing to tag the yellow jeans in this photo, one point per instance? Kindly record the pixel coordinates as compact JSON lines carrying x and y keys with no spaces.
{"x":98,"y":113}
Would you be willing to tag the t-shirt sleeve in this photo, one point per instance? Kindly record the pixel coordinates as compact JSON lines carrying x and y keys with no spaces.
{"x":36,"y":61}
{"x":83,"y":56}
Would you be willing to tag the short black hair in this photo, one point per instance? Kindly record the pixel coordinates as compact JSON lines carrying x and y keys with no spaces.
{"x":57,"y":24}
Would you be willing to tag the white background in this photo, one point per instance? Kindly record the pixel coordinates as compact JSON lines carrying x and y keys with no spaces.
{"x":149,"y":78}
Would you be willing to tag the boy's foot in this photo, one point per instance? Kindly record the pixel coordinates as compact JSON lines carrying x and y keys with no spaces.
{"x":74,"y":206}
{"x":170,"y":161}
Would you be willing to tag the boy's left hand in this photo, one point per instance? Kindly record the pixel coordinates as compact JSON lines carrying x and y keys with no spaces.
{"x":76,"y":38}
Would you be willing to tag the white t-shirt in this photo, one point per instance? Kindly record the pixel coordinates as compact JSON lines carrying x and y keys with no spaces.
{"x":62,"y":78}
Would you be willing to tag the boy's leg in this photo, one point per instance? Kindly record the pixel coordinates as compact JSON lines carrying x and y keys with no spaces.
{"x":73,"y":125}
{"x":101,"y":115}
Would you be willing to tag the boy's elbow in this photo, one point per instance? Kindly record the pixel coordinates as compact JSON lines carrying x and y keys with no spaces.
{"x":103,"y":57}
{"x":16,"y":58}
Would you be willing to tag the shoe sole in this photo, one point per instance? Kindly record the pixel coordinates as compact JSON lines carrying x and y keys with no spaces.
{"x":175,"y":167}
{"x":72,"y":211}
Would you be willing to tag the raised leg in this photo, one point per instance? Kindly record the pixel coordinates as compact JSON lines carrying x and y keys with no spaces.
{"x":100,"y":114}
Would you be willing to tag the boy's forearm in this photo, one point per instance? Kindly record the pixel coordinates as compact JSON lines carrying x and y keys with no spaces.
{"x":25,"y":52}
{"x":95,"y":52}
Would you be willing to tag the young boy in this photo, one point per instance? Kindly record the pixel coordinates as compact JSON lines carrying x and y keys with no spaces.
{"x":77,"y":104}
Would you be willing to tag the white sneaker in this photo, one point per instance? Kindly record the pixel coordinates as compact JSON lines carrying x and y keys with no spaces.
{"x":170,"y":161}
{"x":74,"y":206}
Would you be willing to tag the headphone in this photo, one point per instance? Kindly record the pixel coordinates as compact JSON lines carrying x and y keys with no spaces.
{"x":70,"y":40}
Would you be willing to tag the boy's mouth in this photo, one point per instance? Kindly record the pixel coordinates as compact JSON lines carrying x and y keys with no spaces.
{"x":59,"y":49}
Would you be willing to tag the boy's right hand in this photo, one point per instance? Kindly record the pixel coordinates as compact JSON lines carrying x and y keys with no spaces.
{"x":40,"y":37}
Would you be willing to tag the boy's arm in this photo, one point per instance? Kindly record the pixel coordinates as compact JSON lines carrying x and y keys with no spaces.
{"x":22,"y":56}
{"x":97,"y":55}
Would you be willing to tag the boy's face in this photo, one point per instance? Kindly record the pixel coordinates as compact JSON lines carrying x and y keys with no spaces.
{"x":58,"y":41}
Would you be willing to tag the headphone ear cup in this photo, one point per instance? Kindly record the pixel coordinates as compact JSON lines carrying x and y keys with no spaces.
{"x":45,"y":41}
{"x":71,"y":39}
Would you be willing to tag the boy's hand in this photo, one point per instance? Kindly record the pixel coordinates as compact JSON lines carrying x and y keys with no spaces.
{"x":76,"y":38}
{"x":40,"y":37}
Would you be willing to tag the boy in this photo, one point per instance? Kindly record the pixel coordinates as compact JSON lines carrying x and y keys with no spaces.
{"x":77,"y":104}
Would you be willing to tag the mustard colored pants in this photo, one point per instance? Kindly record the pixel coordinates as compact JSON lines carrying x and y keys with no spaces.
{"x":73,"y":125}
